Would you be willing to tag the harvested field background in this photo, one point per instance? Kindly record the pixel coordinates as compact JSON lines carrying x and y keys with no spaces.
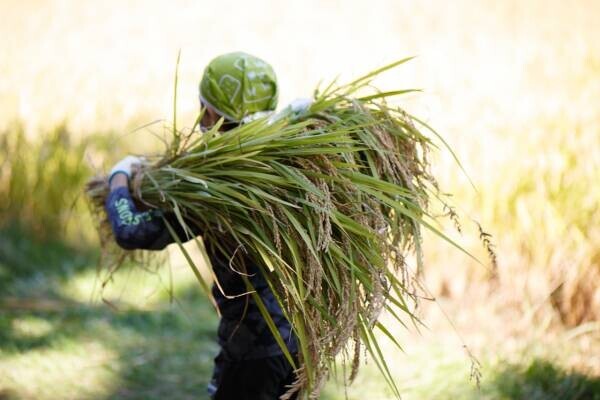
{"x":513,"y":86}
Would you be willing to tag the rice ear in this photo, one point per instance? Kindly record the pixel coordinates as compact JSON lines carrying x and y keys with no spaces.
{"x":328,"y":206}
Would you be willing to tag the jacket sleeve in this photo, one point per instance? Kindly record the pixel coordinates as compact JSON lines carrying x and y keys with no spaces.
{"x":135,"y":229}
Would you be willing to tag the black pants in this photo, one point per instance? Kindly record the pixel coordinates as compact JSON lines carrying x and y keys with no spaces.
{"x":258,"y":379}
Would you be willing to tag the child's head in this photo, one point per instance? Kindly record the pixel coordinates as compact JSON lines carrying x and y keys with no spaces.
{"x":236,"y":85}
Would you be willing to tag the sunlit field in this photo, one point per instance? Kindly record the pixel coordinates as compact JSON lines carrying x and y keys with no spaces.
{"x":512,"y":86}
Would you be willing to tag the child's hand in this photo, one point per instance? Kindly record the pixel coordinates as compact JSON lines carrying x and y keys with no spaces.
{"x":125,"y":166}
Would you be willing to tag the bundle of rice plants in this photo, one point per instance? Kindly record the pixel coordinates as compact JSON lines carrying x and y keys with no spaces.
{"x":328,"y":204}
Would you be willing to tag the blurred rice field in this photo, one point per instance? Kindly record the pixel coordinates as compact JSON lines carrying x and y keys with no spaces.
{"x":513,"y":86}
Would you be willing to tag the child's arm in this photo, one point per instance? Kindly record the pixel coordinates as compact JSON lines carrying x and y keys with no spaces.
{"x":135,"y":229}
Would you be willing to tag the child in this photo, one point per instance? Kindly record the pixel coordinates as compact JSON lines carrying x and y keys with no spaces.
{"x":250,"y":364}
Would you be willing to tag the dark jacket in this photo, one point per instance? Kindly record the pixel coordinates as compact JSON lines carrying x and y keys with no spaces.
{"x":243,"y":334}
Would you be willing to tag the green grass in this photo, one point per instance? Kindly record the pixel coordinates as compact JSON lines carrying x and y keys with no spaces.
{"x":59,"y":341}
{"x":438,"y":373}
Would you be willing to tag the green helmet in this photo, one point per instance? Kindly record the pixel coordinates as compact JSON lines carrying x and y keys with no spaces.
{"x":237,"y":85}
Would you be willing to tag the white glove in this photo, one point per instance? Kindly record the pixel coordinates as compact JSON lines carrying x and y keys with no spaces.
{"x":293,"y":110}
{"x":255,"y":116}
{"x":124,"y":166}
{"x":300,"y":106}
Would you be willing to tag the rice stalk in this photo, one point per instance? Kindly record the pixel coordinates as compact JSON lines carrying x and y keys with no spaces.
{"x":328,"y":205}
